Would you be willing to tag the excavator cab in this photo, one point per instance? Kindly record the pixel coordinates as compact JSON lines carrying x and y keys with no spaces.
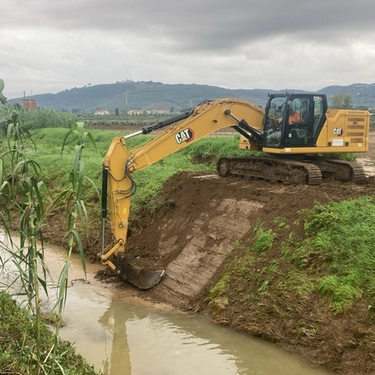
{"x":293,"y":120}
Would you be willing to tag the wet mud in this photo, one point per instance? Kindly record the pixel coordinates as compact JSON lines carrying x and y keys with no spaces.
{"x":209,"y":215}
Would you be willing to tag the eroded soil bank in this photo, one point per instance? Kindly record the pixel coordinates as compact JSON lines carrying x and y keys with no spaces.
{"x":205,"y":219}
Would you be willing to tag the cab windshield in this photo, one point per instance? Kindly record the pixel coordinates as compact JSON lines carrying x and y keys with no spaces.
{"x":293,"y":120}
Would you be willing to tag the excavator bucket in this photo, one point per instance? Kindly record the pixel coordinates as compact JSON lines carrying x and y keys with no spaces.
{"x":140,"y":277}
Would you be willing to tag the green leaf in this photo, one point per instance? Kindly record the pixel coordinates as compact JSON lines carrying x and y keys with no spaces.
{"x":80,"y":248}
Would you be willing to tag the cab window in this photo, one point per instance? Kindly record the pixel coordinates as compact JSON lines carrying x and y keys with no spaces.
{"x":318,"y":113}
{"x":298,"y":132}
{"x":274,"y":120}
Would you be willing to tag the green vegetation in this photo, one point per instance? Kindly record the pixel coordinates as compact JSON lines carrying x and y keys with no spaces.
{"x":341,"y":101}
{"x":347,"y":260}
{"x":18,"y":347}
{"x":212,"y":149}
{"x":263,"y":241}
{"x":41,"y":118}
{"x":22,"y":195}
{"x":335,"y":258}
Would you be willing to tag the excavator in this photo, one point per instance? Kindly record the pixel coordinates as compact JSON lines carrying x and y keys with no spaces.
{"x":296,"y":133}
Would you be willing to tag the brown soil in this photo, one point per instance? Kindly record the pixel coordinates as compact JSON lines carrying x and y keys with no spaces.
{"x":205,"y":218}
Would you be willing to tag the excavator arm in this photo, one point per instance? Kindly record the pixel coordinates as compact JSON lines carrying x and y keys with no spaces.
{"x":120,"y":164}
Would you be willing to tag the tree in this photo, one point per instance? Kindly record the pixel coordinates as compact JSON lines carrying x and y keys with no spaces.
{"x":341,"y":101}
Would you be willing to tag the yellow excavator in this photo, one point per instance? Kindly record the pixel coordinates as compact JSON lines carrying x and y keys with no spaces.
{"x":294,"y":132}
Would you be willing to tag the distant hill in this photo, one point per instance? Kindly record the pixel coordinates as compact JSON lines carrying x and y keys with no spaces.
{"x":362,"y":94}
{"x":155,"y":95}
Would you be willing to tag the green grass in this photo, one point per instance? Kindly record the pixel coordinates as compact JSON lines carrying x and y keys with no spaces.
{"x":18,"y":345}
{"x":335,"y":260}
{"x":149,"y":181}
{"x":264,"y":239}
{"x":217,"y":295}
{"x":45,"y":118}
{"x":342,"y":237}
{"x":215,"y":147}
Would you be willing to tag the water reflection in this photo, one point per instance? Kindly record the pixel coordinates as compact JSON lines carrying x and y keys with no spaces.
{"x":121,"y":335}
{"x":146,"y":342}
{"x":115,"y":323}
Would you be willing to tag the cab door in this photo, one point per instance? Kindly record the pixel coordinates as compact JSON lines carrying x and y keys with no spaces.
{"x":299,"y":122}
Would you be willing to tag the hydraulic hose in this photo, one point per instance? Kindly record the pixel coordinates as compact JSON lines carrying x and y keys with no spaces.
{"x":104,"y":204}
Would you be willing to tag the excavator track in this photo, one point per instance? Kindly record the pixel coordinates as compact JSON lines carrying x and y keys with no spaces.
{"x":341,"y":170}
{"x":310,"y":171}
{"x":270,"y":169}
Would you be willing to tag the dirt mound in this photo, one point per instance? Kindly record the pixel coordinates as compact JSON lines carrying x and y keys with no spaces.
{"x":201,"y":222}
{"x":205,"y":215}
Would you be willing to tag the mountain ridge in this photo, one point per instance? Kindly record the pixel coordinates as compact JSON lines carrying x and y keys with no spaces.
{"x":149,"y":95}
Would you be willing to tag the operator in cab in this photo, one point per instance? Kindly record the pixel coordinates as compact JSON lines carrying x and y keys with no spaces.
{"x":293,"y":117}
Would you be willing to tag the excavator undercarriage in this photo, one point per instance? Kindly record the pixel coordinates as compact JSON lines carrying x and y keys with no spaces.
{"x":308,"y":171}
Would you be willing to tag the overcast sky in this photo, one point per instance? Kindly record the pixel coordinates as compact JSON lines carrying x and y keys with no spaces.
{"x":47,"y":46}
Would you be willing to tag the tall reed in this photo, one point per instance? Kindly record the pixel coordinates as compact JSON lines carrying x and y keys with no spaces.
{"x":20,"y":187}
{"x":76,"y":213}
{"x":21,"y":196}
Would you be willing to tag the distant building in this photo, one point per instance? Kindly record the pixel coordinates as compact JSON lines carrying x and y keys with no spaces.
{"x":102,"y":112}
{"x":29,"y":103}
{"x":136,"y":112}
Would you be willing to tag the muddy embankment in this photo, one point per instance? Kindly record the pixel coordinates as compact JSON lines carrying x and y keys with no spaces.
{"x":209,"y":215}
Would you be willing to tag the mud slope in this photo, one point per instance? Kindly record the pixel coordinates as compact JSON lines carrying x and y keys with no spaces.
{"x":206,"y":215}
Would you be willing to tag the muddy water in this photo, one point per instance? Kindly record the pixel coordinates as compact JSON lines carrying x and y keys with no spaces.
{"x":125,"y":336}
{"x":120,"y":334}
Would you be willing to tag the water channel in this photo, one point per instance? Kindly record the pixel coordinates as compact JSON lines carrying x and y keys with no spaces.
{"x":123,"y":335}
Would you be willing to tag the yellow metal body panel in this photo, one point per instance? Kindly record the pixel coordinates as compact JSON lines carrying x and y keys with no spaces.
{"x":343,"y":131}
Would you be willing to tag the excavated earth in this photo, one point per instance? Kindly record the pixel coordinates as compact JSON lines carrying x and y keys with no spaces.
{"x":204,"y":217}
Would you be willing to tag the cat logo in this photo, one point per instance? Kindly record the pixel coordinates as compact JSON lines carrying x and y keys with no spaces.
{"x":186,"y":135}
{"x":338,"y":131}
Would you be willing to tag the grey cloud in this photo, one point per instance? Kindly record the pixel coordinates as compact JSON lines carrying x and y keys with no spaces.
{"x":238,"y":44}
{"x":203,"y":24}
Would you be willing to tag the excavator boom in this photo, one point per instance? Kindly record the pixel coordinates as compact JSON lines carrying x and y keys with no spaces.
{"x":120,"y":164}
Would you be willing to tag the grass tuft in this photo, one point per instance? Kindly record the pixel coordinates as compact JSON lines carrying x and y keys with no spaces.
{"x":264,"y":239}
